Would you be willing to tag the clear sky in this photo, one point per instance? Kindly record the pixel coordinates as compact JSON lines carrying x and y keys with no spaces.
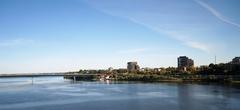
{"x":68,"y":35}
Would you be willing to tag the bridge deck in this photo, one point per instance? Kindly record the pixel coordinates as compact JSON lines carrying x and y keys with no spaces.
{"x":44,"y":75}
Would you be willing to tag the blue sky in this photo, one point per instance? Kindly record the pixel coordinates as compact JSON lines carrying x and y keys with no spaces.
{"x":68,"y":35}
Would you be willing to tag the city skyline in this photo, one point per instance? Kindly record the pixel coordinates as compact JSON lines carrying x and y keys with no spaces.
{"x":68,"y":35}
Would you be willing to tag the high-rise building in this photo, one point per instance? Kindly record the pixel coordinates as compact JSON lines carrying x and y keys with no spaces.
{"x":184,"y":62}
{"x":133,"y":67}
{"x":236,"y":60}
{"x":190,"y":63}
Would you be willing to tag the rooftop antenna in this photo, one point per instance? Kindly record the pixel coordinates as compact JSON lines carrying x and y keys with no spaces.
{"x":215,"y":59}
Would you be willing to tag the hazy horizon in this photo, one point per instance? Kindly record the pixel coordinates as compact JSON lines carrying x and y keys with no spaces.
{"x":68,"y":35}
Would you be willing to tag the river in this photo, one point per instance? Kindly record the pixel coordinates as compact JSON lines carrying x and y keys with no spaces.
{"x":56,"y":93}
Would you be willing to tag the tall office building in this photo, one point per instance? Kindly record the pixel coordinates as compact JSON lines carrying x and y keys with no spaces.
{"x":236,"y":60}
{"x":184,"y":62}
{"x":133,"y":67}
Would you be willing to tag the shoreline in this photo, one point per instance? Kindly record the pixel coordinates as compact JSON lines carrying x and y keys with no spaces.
{"x":157,"y":78}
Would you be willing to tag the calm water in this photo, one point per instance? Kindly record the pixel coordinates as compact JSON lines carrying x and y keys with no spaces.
{"x":55,"y":93}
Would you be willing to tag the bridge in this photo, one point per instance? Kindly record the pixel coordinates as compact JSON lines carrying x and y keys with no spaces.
{"x":44,"y":75}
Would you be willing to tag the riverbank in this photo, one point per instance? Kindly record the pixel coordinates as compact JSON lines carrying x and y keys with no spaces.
{"x":158,"y":78}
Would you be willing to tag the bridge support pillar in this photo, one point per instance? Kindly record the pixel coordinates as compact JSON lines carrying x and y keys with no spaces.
{"x":74,"y":78}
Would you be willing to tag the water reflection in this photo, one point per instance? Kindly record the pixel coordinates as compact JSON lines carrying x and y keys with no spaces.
{"x":56,"y":93}
{"x":185,"y":97}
